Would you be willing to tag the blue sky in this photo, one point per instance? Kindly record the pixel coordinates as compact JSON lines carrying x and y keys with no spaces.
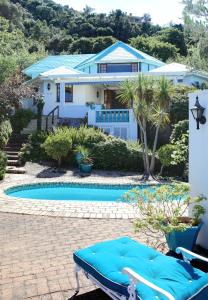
{"x":162,"y":11}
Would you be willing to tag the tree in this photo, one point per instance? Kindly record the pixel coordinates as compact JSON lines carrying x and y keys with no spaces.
{"x":173,"y":36}
{"x":196,"y":31}
{"x":153,"y":46}
{"x":12,"y":91}
{"x":149,"y":99}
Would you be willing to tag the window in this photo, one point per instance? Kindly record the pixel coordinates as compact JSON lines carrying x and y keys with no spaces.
{"x":68,"y":93}
{"x":117,"y":68}
{"x":134,"y":67}
{"x":180,"y":80}
{"x":58,"y":92}
{"x":102,"y":68}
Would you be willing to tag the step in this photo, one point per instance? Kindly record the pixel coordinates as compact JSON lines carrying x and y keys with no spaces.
{"x":15,"y":170}
{"x":12,"y":153}
{"x":13,"y":162}
{"x":12,"y":156}
{"x":12,"y":149}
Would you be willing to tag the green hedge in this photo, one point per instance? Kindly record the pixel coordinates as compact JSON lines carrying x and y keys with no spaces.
{"x":5,"y":133}
{"x":3,"y":164}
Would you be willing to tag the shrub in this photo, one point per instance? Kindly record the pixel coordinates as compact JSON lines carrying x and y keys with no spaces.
{"x":117,"y":154}
{"x":178,"y":130}
{"x":181,"y":153}
{"x":21,"y":118}
{"x":32,"y":150}
{"x":107,"y":152}
{"x":165,"y":155}
{"x":58,"y":145}
{"x":5,"y":133}
{"x":179,"y":104}
{"x":88,"y":135}
{"x":3,"y":164}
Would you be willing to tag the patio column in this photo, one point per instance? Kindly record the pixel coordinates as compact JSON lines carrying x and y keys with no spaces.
{"x":198,"y":158}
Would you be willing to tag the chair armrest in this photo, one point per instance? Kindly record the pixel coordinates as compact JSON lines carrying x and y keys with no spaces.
{"x":189,"y":255}
{"x":135,"y":277}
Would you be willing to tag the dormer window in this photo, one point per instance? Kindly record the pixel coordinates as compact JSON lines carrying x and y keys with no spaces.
{"x":118,"y":68}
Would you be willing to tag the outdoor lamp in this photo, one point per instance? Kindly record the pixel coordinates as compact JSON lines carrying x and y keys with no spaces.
{"x":197,"y":112}
{"x":49,"y":86}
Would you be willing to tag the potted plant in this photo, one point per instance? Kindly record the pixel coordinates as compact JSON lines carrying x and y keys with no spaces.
{"x":79,"y":150}
{"x":86,"y":162}
{"x":162,"y":214}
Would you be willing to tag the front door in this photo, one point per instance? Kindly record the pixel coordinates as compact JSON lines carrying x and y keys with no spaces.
{"x":111,"y":101}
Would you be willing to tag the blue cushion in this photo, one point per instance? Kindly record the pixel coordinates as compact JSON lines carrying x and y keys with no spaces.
{"x":105,"y":261}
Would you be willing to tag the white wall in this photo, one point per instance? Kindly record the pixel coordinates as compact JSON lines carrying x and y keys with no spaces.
{"x":76,"y":109}
{"x":49,"y":97}
{"x":198,"y":159}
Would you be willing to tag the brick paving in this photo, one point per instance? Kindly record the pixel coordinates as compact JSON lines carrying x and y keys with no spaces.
{"x":36,"y":254}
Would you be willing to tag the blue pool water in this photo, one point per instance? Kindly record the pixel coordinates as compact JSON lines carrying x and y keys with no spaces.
{"x":69,"y":192}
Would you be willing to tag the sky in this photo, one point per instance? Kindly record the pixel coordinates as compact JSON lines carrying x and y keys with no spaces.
{"x":161,"y":11}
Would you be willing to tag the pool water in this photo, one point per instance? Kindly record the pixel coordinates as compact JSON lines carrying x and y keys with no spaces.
{"x":67,"y":192}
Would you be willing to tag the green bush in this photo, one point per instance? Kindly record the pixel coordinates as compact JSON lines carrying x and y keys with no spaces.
{"x":87,"y":136}
{"x":21,"y":119}
{"x":179,"y":104}
{"x":178,"y":130}
{"x":117,"y":154}
{"x":165,"y":154}
{"x":3,"y":164}
{"x":32,"y":150}
{"x":58,"y":145}
{"x":5,"y":133}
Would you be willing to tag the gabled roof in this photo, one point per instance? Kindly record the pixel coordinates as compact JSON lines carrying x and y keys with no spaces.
{"x":120,"y":52}
{"x":55,"y":61}
{"x":172,"y":68}
{"x":61,"y":71}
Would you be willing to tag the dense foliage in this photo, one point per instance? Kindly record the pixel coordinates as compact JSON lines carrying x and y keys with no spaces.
{"x":3,"y":164}
{"x":36,"y":26}
{"x":58,"y":145}
{"x":5,"y":133}
{"x":21,"y":119}
{"x":106,"y":151}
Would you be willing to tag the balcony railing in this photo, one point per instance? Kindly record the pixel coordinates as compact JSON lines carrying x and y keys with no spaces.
{"x":112,"y":116}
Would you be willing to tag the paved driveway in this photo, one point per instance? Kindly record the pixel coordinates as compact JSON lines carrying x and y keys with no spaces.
{"x":36,"y":254}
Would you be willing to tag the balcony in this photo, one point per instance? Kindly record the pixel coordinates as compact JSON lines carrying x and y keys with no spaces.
{"x":117,"y":122}
{"x":112,"y":116}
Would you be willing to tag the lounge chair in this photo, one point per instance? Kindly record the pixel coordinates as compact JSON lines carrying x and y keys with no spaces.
{"x":127,"y":270}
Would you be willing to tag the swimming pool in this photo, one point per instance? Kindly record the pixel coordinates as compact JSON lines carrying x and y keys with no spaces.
{"x":71,"y":191}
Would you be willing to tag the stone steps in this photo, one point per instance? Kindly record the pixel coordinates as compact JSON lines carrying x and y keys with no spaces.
{"x":14,"y":165}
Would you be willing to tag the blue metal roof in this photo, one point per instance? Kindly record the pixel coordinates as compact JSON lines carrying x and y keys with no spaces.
{"x":137,"y":53}
{"x":54,"y":61}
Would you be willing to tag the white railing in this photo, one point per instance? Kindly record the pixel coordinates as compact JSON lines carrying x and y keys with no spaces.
{"x":117,"y":122}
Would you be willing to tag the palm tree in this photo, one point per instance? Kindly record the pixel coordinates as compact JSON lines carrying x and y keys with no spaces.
{"x":160,"y":117}
{"x":149,"y":98}
{"x":139,"y":95}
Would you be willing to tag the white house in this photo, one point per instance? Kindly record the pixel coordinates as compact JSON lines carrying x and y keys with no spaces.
{"x":87,"y":85}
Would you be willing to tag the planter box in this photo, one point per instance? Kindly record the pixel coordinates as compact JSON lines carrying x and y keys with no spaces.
{"x":86,"y":169}
{"x":186,"y":239}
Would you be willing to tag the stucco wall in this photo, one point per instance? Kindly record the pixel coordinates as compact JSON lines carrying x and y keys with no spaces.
{"x":76,"y":109}
{"x":198,"y":159}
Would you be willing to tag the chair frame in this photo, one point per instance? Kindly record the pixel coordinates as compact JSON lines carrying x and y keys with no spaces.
{"x":135,"y":278}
